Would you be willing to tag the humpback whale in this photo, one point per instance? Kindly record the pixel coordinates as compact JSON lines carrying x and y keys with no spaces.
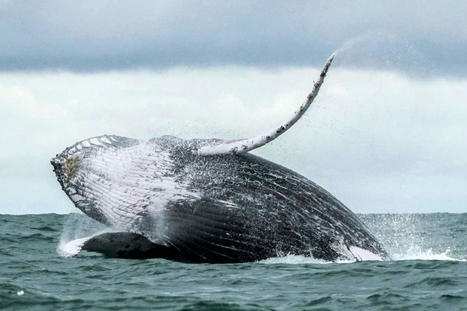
{"x":206,"y":200}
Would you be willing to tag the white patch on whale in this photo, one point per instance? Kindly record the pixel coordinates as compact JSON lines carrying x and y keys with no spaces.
{"x":364,"y":255}
{"x":121,"y":182}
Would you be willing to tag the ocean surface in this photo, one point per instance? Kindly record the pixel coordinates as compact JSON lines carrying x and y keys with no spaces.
{"x":428,"y":271}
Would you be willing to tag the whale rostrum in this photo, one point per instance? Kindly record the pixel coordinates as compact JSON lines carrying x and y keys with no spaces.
{"x":206,"y":200}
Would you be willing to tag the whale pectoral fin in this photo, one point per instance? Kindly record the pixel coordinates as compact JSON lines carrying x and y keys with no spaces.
{"x":127,"y":245}
{"x":248,"y":144}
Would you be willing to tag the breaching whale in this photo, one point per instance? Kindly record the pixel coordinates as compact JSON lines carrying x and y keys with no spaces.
{"x":206,"y":200}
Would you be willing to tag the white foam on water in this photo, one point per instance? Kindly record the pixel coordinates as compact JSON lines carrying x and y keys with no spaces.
{"x":71,"y":248}
{"x":301,"y":260}
{"x":76,"y":231}
{"x":426,"y":255}
{"x":363,"y":255}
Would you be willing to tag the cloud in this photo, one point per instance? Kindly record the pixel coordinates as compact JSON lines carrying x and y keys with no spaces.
{"x":379,"y":141}
{"x":425,"y":39}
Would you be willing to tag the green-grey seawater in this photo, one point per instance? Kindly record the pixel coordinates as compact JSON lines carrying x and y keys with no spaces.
{"x":428,"y":272}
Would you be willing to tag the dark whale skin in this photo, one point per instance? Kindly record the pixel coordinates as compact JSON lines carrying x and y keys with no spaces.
{"x":248,"y":209}
{"x":127,"y":245}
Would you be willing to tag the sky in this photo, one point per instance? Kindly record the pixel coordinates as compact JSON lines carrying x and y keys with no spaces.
{"x":385,"y":135}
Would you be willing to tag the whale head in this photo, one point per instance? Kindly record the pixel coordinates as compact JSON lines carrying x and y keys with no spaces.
{"x":79,"y":177}
{"x":121,"y":181}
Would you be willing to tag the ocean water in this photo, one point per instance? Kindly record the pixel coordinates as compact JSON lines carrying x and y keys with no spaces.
{"x":428,"y":271}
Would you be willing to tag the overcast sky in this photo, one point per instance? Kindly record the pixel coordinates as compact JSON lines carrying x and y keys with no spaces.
{"x":386,"y":133}
{"x":103,"y":35}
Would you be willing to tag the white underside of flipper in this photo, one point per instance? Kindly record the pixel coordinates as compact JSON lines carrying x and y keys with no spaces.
{"x":355,"y":253}
{"x":361,"y":254}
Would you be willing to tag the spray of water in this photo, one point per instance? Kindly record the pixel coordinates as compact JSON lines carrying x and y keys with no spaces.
{"x":77,"y":230}
{"x":383,"y":50}
{"x":424,"y":255}
{"x":405,"y":237}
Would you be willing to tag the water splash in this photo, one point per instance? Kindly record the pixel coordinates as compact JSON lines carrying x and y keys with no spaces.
{"x":417,"y":236}
{"x":76,"y":231}
{"x":300,"y":260}
{"x":427,"y":237}
{"x":384,"y":50}
{"x":426,"y":255}
{"x":361,"y":40}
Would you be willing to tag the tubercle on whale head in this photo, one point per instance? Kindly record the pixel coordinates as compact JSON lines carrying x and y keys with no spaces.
{"x":66,"y":163}
{"x":65,"y":166}
{"x":64,"y":169}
